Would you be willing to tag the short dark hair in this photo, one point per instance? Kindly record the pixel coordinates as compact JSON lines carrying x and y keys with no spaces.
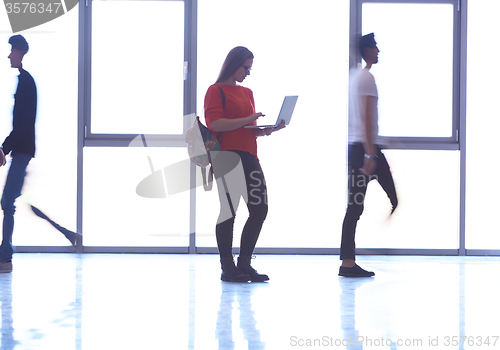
{"x":234,"y":60}
{"x":18,"y":42}
{"x":365,"y":42}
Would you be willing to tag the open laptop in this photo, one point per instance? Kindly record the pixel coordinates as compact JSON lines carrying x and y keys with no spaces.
{"x":285,"y":114}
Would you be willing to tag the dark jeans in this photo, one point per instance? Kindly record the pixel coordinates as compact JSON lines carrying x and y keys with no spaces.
{"x":357,"y":184}
{"x":12,"y":190}
{"x":250,"y":184}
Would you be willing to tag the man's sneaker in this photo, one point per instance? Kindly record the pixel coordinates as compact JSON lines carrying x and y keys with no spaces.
{"x":354,"y":271}
{"x":5,"y":267}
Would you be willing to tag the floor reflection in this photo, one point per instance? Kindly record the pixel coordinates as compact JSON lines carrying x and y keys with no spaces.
{"x":235,"y":311}
{"x":7,"y":340}
{"x":347,"y":309}
{"x":141,"y":301}
{"x":40,"y":306}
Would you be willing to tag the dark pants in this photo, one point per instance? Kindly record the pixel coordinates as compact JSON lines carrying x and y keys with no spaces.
{"x":254,"y":191}
{"x":12,"y":190}
{"x":357,"y":184}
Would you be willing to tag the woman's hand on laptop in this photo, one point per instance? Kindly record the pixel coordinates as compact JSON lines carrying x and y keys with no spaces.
{"x":269,"y":131}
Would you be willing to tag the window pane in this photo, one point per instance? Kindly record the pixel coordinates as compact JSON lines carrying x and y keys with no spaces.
{"x":50,"y":183}
{"x":115,"y":215}
{"x":305,"y":163}
{"x":415,"y":70}
{"x":137,"y":67}
{"x":482,"y":126}
{"x":427,"y":217}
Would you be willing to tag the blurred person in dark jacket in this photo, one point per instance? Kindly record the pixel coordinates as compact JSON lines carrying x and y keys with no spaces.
{"x":20,"y":144}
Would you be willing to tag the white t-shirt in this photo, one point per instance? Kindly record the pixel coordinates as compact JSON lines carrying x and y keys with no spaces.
{"x":362,"y":83}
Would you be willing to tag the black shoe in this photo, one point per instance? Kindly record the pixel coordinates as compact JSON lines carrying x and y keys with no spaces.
{"x":230,"y":273}
{"x":244,"y":266}
{"x":354,"y":271}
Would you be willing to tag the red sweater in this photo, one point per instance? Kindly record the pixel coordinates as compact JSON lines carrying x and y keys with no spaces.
{"x":239,"y":104}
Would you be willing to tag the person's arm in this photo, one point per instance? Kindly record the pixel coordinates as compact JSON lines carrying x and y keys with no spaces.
{"x":3,"y":161}
{"x":369,"y":103}
{"x":269,"y":131}
{"x":225,"y":124}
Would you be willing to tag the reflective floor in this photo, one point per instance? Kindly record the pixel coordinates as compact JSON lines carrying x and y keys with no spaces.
{"x":128,"y":301}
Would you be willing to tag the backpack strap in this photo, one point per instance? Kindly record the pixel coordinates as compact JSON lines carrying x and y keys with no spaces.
{"x":222,"y":96}
{"x":207,"y":180}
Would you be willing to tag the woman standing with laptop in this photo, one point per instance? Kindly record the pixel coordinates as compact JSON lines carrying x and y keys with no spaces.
{"x":229,"y":107}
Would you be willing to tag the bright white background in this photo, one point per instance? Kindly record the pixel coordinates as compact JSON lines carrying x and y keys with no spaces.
{"x":300,"y":49}
{"x":415,"y":67}
{"x":137,"y":67}
{"x":483,"y":125}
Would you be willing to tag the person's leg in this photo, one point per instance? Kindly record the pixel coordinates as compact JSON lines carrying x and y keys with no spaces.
{"x":12,"y":190}
{"x":257,"y":204}
{"x":257,"y":210}
{"x":357,"y":185}
{"x":228,"y":186}
{"x":355,"y":206}
{"x":386,"y":181}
